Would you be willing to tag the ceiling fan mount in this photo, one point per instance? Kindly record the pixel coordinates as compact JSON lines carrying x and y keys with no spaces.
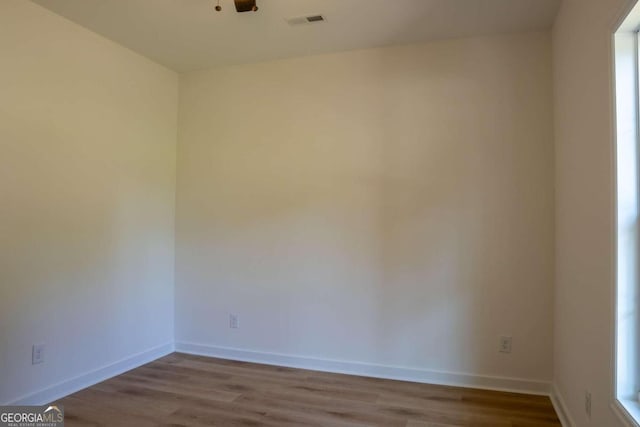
{"x":241,"y":6}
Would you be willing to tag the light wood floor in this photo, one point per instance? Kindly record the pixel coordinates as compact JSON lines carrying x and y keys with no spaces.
{"x":184,"y":390}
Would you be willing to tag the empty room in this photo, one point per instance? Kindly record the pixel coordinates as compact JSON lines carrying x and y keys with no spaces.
{"x":412,"y":213}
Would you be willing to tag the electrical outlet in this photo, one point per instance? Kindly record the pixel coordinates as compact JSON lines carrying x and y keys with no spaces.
{"x":505,"y":344}
{"x":234,"y":323}
{"x":37,"y":354}
{"x":587,"y":403}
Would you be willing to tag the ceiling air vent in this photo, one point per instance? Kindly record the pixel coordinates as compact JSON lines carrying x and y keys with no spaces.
{"x":301,"y":20}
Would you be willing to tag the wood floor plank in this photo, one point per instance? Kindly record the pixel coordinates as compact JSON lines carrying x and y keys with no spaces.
{"x":414,"y":423}
{"x":506,"y":410}
{"x":185,"y":390}
{"x":322,"y":408}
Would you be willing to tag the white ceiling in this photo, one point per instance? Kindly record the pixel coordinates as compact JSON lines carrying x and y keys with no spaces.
{"x":188,"y":34}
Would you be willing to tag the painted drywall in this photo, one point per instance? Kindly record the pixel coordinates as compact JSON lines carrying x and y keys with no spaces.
{"x":87,"y":182}
{"x":585,"y":226}
{"x":390,"y":206}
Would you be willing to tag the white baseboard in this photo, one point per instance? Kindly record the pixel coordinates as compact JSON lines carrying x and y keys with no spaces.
{"x":561,"y":407}
{"x":517,"y":385}
{"x":87,"y":379}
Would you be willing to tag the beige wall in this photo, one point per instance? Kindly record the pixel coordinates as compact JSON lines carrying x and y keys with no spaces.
{"x":87,"y":180}
{"x":392,"y":206}
{"x":584,"y":207}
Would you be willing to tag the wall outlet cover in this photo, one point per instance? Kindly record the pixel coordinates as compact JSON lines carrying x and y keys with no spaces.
{"x":37,"y":354}
{"x":587,"y":403}
{"x":234,"y":323}
{"x":505,"y":344}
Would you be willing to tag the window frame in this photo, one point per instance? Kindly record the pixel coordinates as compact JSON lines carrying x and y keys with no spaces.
{"x":627,"y":410}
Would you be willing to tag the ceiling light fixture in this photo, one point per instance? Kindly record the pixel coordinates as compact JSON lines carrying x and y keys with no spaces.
{"x":241,"y":6}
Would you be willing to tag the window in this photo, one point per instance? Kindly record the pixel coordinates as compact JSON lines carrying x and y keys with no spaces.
{"x":627,"y":378}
